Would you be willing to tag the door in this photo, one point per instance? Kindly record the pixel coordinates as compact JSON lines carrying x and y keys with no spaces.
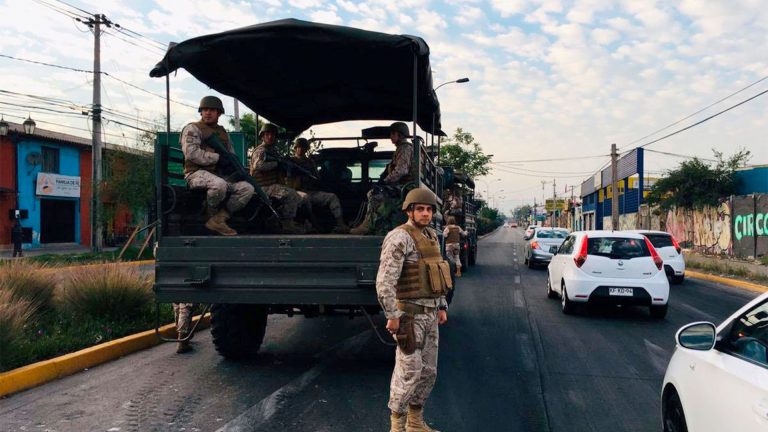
{"x":57,"y":221}
{"x":559,"y":261}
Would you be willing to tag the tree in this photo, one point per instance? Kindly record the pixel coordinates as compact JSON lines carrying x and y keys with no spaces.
{"x":488,"y":219}
{"x":697,"y":183}
{"x":465,"y":154}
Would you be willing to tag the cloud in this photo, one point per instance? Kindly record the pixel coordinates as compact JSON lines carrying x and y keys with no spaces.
{"x":469,"y":15}
{"x":326,"y":16}
{"x":508,"y":8}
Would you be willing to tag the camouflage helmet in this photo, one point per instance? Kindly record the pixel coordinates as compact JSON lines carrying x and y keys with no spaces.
{"x":301,"y":142}
{"x":211,"y":102}
{"x":420,"y":196}
{"x":400,"y":127}
{"x":269,"y":127}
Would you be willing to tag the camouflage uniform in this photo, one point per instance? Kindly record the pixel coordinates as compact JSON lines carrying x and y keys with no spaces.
{"x":289,"y":201}
{"x":414,"y":374}
{"x":196,"y":153}
{"x":453,"y":250}
{"x":306,"y":188}
{"x":182,"y":313}
{"x":383,"y":200}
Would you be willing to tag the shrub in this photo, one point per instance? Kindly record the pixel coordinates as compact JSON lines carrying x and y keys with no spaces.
{"x":15,"y":314}
{"x":106,"y":292}
{"x":28,"y":281}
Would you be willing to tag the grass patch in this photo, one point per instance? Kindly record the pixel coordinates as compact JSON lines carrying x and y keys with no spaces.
{"x":28,"y":281}
{"x":131,"y":254}
{"x":15,"y":314}
{"x":105,"y":292}
{"x":727,"y":269}
{"x":764,"y":260}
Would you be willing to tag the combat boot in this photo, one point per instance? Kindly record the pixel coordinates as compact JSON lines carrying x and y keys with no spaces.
{"x":398,"y":422}
{"x":415,"y":422}
{"x":183,"y":346}
{"x":218,"y":223}
{"x":341,"y":227}
{"x":363,"y":228}
{"x":458,"y":271}
{"x":288,"y":226}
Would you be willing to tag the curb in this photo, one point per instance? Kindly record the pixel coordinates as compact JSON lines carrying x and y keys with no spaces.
{"x":45,"y":371}
{"x":727,"y":281}
{"x":85,"y":266}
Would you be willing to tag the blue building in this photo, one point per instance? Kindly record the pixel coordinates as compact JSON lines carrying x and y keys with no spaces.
{"x":752,"y":179}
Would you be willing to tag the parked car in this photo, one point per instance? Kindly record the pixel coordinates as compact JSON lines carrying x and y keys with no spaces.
{"x":529,"y":232}
{"x":615,"y":267}
{"x":513,"y":225}
{"x":543,"y":245}
{"x":717,"y":379}
{"x":670,"y":251}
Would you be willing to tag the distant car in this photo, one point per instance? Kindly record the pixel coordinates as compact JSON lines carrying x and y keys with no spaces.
{"x":543,"y":245}
{"x":615,"y":267}
{"x":717,"y":379}
{"x":529,"y":232}
{"x":513,"y":225}
{"x":670,"y":251}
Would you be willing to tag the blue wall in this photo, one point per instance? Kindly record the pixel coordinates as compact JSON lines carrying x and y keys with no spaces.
{"x":753,"y":180}
{"x":69,"y":164}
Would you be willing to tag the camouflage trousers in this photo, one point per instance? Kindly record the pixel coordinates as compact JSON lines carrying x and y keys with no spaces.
{"x":453,"y":250}
{"x":384,"y":209}
{"x":288,"y":199}
{"x":415,"y":374}
{"x":317,"y":199}
{"x":240,"y":192}
{"x":182,"y":313}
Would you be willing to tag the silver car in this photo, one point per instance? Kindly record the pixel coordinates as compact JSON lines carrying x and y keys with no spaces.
{"x":543,"y":244}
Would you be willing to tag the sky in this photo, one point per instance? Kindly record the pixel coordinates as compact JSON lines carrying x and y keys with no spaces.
{"x":549,"y":79}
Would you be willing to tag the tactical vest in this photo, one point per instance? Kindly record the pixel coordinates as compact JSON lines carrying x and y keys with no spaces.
{"x":298,"y":180}
{"x":206,"y":131}
{"x":267,"y":178}
{"x":430,"y":276}
{"x":390,"y":167}
{"x":454,"y":234}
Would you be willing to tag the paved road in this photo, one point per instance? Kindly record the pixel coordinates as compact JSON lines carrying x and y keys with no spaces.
{"x":509,"y":361}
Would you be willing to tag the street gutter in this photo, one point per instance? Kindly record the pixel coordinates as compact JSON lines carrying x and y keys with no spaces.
{"x":35,"y":374}
{"x":727,"y":281}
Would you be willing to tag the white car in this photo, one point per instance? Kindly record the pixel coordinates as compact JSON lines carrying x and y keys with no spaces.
{"x":671,"y":252}
{"x":717,"y":379}
{"x":615,"y":267}
{"x":529,"y":232}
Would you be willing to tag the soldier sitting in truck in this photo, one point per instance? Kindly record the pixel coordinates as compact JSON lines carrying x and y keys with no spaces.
{"x":384,"y":196}
{"x":307,"y":186}
{"x":201,"y":164}
{"x":266,"y":171}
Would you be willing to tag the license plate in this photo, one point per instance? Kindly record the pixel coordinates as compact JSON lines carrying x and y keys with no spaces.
{"x":620,"y":291}
{"x":552,"y":249}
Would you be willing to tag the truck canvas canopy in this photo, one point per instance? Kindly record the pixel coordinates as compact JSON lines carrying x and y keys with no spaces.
{"x":298,"y":74}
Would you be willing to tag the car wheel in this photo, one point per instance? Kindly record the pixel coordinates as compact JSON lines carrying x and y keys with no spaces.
{"x":550,"y":292}
{"x":673,"y":417}
{"x":530,"y":263}
{"x":565,"y":303}
{"x":525,"y":260}
{"x":677,"y":280}
{"x":659,"y":312}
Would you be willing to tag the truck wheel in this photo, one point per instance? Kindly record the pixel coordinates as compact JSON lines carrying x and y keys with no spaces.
{"x":464,"y":258}
{"x":472,"y":254}
{"x":238,"y":329}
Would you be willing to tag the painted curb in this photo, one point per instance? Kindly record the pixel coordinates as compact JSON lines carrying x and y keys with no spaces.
{"x":45,"y":371}
{"x":727,"y":281}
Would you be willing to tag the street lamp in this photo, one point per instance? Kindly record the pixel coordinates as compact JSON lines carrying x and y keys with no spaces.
{"x":3,"y":127}
{"x":458,"y":81}
{"x":29,"y":126}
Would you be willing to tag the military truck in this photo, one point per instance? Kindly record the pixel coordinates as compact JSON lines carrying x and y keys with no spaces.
{"x":296,"y":74}
{"x":465,"y":213}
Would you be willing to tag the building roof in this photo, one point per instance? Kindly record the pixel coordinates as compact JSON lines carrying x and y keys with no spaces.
{"x":64,"y":138}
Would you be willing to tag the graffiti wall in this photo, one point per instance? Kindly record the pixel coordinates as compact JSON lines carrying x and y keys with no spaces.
{"x":750,"y":225}
{"x":707,"y":230}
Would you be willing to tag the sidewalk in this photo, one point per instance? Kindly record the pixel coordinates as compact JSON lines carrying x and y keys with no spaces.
{"x":746,"y":266}
{"x":56,"y":249}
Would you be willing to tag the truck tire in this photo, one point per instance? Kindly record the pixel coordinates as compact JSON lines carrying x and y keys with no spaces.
{"x":472,"y":253}
{"x":238,"y":330}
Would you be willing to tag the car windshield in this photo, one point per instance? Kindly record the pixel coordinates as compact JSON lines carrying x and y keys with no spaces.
{"x":660,"y":240}
{"x":617,"y":247}
{"x":553,"y":234}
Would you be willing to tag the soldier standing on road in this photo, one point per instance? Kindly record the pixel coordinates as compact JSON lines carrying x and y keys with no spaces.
{"x":306,"y":187}
{"x":453,"y":234}
{"x":398,"y":173}
{"x":201,"y":163}
{"x":17,"y":237}
{"x":265,"y":170}
{"x":411,"y":285}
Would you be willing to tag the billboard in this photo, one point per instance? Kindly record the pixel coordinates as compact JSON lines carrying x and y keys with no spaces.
{"x":55,"y":185}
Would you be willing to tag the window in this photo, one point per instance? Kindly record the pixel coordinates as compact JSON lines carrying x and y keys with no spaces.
{"x":551,"y":234}
{"x":377,"y":167}
{"x":660,"y":240}
{"x":567,"y":246}
{"x":50,"y":160}
{"x":617,"y":247}
{"x":747,"y":335}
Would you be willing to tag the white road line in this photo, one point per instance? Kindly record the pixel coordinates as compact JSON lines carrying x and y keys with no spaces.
{"x":517,"y":279}
{"x":258,"y":415}
{"x":517,"y":297}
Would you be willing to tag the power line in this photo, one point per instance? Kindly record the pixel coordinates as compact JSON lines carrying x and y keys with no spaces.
{"x":551,"y":159}
{"x":704,"y":120}
{"x":508,"y":170}
{"x":680,"y":155}
{"x":46,"y":64}
{"x":58,"y":9}
{"x":75,"y":7}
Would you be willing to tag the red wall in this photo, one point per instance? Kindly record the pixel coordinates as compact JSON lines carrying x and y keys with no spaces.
{"x":7,"y":181}
{"x":85,"y":197}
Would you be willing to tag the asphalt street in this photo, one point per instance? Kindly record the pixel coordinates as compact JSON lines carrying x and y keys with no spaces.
{"x":509,"y":361}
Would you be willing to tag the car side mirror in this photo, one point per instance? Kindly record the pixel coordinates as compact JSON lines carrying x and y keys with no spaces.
{"x":699,"y":336}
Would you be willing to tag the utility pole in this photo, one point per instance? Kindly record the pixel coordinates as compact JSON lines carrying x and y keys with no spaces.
{"x":237,"y":116}
{"x":554,"y":204}
{"x":543,"y":200}
{"x":95,"y":24}
{"x":534,"y":212}
{"x":614,"y":189}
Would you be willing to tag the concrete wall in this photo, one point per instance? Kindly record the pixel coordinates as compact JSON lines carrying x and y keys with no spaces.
{"x":706,"y":231}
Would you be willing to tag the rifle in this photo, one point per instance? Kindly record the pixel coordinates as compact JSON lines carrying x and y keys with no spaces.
{"x":291,"y":165}
{"x":239,"y":173}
